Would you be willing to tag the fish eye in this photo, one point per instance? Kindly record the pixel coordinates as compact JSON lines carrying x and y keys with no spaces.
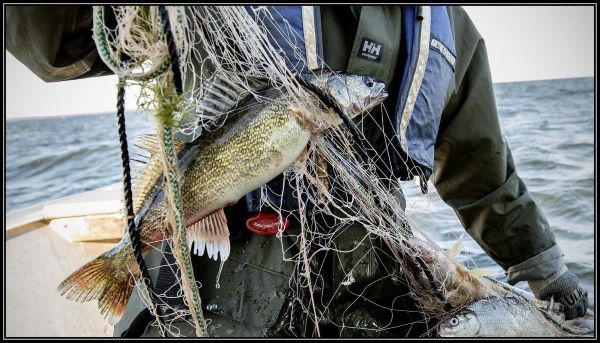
{"x":454,"y":321}
{"x":368,"y":81}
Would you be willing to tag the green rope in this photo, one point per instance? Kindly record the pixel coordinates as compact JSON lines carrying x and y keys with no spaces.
{"x":113,"y":64}
{"x":181,"y":249}
{"x":174,"y":190}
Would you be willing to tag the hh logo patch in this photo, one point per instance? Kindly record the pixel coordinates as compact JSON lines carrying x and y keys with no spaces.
{"x":437,"y":45}
{"x":370,"y":50}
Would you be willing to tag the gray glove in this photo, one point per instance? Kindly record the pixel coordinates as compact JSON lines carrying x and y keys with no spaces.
{"x":564,"y":287}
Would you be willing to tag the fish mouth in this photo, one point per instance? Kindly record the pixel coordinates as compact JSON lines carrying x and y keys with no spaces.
{"x":377,"y":99}
{"x":382,"y":94}
{"x":444,"y":330}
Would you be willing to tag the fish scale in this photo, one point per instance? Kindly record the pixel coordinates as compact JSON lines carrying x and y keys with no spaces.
{"x":259,"y":141}
{"x":251,"y":148}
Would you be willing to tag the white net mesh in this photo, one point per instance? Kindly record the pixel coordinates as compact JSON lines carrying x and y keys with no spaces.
{"x":361,"y":265}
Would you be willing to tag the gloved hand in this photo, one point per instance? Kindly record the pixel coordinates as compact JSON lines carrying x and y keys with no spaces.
{"x":564,"y":286}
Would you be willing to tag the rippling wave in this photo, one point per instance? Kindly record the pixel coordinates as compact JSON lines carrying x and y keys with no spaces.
{"x":48,"y":158}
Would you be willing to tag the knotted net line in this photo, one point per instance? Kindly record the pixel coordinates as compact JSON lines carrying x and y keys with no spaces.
{"x":361,"y":266}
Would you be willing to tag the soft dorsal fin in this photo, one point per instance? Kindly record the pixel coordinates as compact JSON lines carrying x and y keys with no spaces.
{"x":148,"y":176}
{"x":211,"y":234}
{"x":149,"y":142}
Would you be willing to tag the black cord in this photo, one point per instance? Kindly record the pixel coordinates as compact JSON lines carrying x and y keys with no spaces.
{"x":134,"y":233}
{"x":175,"y":68}
{"x":357,"y":136}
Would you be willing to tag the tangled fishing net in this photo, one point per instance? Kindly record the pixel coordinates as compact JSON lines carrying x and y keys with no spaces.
{"x":361,"y":265}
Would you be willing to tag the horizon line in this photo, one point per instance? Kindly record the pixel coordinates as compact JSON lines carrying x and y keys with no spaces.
{"x":34,"y":116}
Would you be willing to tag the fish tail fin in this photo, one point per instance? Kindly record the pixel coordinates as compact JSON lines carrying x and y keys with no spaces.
{"x":107,"y":279}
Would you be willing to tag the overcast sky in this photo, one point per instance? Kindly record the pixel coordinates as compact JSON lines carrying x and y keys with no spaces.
{"x":523,"y":43}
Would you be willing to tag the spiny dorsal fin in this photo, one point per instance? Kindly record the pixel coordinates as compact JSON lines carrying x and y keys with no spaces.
{"x":211,"y":234}
{"x":220,"y":96}
{"x":148,"y":176}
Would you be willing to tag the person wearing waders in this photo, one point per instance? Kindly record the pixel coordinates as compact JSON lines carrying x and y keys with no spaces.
{"x":444,"y":123}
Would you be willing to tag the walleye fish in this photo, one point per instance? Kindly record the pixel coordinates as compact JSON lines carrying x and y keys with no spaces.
{"x":516,"y":314}
{"x":258,"y":142}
